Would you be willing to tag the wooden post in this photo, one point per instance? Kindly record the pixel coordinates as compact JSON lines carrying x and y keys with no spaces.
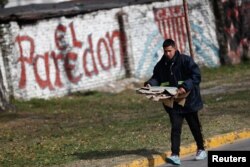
{"x":188,"y":28}
{"x":4,"y":94}
{"x":124,"y":43}
{"x":4,"y":98}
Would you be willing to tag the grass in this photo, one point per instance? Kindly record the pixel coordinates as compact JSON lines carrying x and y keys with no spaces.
{"x":225,"y":75}
{"x":97,"y":125}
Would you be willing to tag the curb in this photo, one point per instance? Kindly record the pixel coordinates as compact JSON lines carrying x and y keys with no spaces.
{"x":210,"y":143}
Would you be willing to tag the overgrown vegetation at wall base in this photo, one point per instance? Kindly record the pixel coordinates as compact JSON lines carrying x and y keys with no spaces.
{"x":96,"y":125}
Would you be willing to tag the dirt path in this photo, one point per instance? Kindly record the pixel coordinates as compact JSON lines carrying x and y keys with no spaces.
{"x":132,"y":83}
{"x":227,"y":88}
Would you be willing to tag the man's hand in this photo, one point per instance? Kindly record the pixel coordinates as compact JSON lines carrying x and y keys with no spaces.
{"x":181,"y":91}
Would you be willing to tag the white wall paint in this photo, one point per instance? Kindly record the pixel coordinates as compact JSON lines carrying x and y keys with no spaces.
{"x":35,"y":79}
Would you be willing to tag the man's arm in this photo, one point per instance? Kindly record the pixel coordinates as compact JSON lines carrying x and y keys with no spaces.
{"x":194,"y":75}
{"x":154,"y":80}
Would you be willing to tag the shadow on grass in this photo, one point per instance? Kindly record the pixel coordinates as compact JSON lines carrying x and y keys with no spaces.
{"x":6,"y":116}
{"x":95,"y":155}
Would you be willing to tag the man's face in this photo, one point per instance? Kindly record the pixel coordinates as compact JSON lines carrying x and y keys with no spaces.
{"x":169,"y":51}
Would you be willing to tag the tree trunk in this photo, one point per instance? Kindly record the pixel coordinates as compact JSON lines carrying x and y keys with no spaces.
{"x":4,"y":98}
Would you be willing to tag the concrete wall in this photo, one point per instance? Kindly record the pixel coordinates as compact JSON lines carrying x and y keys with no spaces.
{"x":57,"y":56}
{"x":203,"y":31}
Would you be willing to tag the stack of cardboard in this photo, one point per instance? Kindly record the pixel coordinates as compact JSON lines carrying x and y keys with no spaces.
{"x":167,"y":95}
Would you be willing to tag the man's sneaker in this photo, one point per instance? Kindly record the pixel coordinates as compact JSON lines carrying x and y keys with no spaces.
{"x":201,"y":154}
{"x":174,"y":159}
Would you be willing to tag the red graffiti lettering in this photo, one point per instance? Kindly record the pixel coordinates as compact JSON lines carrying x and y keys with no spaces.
{"x":119,"y":36}
{"x":60,"y":37}
{"x":70,"y":67}
{"x":171,"y":24}
{"x":75,"y":42}
{"x":104,"y":43}
{"x":89,"y":51}
{"x":104,"y":57}
{"x":23,"y":59}
{"x":43,"y":83}
{"x":56,"y":58}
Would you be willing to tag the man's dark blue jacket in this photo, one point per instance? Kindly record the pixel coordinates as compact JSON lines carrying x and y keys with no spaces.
{"x":180,"y":71}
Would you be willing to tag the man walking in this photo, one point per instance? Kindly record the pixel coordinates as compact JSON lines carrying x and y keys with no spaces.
{"x":179,"y":70}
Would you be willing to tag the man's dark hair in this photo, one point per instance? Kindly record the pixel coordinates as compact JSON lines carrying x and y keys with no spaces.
{"x":168,"y":42}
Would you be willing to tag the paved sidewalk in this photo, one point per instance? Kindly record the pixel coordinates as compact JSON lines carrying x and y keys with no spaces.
{"x":212,"y":142}
{"x":189,"y":160}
